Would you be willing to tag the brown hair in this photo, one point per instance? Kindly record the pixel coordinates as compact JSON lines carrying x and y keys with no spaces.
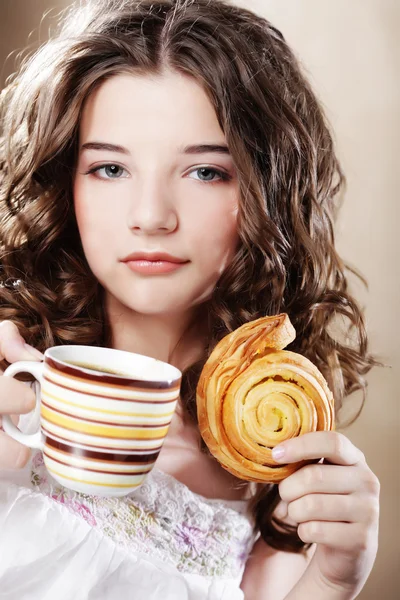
{"x":288,"y":170}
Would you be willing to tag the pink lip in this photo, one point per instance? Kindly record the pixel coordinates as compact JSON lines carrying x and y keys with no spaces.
{"x":153,"y":263}
{"x":153,"y":267}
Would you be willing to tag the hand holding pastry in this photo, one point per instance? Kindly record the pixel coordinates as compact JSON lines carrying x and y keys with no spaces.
{"x":336,"y":506}
{"x":266,"y":414}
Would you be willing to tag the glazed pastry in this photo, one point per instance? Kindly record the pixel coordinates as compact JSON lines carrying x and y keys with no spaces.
{"x":252,"y":395}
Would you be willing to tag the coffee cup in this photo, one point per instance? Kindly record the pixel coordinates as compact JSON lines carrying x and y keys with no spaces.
{"x":104,"y":415}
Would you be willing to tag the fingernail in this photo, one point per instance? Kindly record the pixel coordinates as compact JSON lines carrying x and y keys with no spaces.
{"x":278,"y":452}
{"x":33,"y":352}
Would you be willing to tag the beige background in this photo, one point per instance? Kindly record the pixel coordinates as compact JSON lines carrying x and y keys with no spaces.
{"x":351,"y":51}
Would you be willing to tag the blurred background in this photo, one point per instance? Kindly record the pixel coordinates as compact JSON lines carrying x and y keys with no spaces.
{"x":351,"y":52}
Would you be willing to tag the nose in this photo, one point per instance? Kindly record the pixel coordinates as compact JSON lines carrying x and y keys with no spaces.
{"x":152,"y":210}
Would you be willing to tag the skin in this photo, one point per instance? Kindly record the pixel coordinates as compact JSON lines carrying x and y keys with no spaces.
{"x":336,"y":507}
{"x":160,"y":203}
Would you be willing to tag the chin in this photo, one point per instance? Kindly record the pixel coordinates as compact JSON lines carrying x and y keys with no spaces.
{"x":160,"y":304}
{"x":158,"y":299}
{"x":155,"y":309}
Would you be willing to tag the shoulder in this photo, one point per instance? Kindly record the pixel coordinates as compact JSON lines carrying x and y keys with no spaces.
{"x":270,"y":574}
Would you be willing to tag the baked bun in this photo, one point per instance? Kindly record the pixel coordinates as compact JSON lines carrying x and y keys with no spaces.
{"x":253,"y":395}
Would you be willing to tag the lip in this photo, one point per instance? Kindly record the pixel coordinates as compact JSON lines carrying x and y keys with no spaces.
{"x":154,"y":257}
{"x":153,"y":263}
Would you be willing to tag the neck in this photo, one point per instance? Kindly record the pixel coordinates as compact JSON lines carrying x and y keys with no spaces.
{"x":176,"y":338}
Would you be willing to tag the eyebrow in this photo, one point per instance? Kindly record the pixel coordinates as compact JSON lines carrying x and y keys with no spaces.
{"x":193,"y":149}
{"x":205,"y":148}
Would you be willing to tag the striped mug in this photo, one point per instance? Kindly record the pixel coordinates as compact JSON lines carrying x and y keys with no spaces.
{"x":104,"y":414}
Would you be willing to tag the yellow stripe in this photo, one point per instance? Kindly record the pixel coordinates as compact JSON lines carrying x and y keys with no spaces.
{"x":102,"y":430}
{"x":45,"y":394}
{"x":118,"y":485}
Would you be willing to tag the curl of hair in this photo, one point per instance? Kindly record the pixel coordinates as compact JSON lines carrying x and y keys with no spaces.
{"x":288,"y":171}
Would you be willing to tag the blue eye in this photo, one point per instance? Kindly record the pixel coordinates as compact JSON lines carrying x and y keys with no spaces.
{"x":208,"y":174}
{"x":114,"y":171}
{"x":110,"y":171}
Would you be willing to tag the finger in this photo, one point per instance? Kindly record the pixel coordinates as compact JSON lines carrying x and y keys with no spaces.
{"x":348,"y":537}
{"x":13,"y":455}
{"x":14,"y":419}
{"x":13,"y":346}
{"x":329,"y":479}
{"x":350,"y":508}
{"x":329,"y":445}
{"x":281,"y":513}
{"x":281,"y":510}
{"x":15,"y":397}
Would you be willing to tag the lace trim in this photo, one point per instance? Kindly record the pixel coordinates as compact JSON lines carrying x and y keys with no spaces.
{"x":165,"y":519}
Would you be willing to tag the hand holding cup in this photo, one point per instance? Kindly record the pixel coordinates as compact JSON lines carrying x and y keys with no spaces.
{"x":16,"y":398}
{"x":104,"y":416}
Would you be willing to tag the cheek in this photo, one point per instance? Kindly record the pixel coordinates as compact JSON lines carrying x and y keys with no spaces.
{"x":94,"y":220}
{"x":213,"y":241}
{"x":214,"y":235}
{"x":81,"y":207}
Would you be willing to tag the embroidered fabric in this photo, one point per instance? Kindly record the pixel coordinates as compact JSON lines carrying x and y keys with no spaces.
{"x":165,"y":519}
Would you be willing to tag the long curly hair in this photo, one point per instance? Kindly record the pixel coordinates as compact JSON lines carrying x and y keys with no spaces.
{"x":289,"y":176}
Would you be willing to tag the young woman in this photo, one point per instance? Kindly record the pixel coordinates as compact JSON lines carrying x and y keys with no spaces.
{"x":167,"y":175}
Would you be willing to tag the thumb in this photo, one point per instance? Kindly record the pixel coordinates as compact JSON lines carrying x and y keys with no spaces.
{"x":17,"y":349}
{"x":13,"y":347}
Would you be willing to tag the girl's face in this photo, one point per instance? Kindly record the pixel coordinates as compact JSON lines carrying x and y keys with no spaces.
{"x":154,"y":176}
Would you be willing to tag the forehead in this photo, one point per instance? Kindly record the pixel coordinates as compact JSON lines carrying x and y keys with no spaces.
{"x":171,"y":104}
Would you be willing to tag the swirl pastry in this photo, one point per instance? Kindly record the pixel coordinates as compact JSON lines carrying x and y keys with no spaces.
{"x":252,"y":395}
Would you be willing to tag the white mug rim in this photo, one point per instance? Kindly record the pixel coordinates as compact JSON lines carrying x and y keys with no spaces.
{"x":54,"y":352}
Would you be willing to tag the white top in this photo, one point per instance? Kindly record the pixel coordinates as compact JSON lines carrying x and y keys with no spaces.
{"x":162,"y":542}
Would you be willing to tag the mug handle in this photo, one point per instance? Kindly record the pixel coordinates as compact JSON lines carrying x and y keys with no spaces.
{"x":33,"y":440}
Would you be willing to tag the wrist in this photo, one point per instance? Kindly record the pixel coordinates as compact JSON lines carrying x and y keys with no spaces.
{"x":313,"y":585}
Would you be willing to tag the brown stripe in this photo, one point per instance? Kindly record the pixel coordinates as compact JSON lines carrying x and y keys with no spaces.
{"x":85,"y":420}
{"x":66,"y":387}
{"x":96,"y":470}
{"x":114,"y":380}
{"x":119,"y":459}
{"x":48,"y":433}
